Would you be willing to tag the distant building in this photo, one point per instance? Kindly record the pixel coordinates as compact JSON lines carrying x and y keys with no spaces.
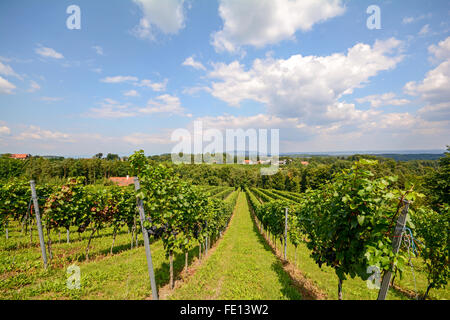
{"x":247,"y":162}
{"x":305,"y":163}
{"x":20,"y":156}
{"x":122,"y":181}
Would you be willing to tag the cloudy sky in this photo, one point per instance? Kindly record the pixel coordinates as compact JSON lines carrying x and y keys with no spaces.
{"x":139,"y":69}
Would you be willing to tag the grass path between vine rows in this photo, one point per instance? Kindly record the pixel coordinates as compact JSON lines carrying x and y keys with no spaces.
{"x":242,"y":267}
{"x":120,"y":276}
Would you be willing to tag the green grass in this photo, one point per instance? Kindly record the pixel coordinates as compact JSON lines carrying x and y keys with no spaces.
{"x":326,"y":280}
{"x":356,"y":289}
{"x":122,"y":275}
{"x":241,"y":267}
{"x":17,"y":254}
{"x":420,"y":274}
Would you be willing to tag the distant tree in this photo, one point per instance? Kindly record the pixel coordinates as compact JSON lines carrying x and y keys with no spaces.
{"x":111,"y":156}
{"x":99,"y":155}
{"x":10,"y":168}
{"x":438,"y":183}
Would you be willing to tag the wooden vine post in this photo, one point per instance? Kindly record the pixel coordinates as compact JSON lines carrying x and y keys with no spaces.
{"x":285,"y":233}
{"x":148,"y":253}
{"x":38,"y":222}
{"x":396,"y":242}
{"x":206,"y":241}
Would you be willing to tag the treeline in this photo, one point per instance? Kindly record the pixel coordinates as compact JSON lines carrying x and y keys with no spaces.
{"x":50,"y":170}
{"x":298,"y":175}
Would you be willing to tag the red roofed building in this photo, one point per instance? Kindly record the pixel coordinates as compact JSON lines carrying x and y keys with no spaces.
{"x":20,"y":156}
{"x":305,"y":163}
{"x":122,"y":181}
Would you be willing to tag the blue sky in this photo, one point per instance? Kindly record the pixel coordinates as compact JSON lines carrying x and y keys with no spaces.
{"x":138,"y":70}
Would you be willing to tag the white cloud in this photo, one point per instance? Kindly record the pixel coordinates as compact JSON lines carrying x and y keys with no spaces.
{"x":131,"y":93}
{"x":434,"y":90}
{"x":371,"y":130}
{"x":164,"y":104}
{"x":6,"y":70}
{"x":343,"y":113}
{"x":17,"y":60}
{"x":143,"y":30}
{"x":304,"y":86}
{"x":143,"y":138}
{"x":36,"y":133}
{"x":155,"y":86}
{"x":6,"y":87}
{"x":380,"y":100}
{"x":194,"y":90}
{"x":408,"y":20}
{"x":261,"y":22}
{"x":40,"y":141}
{"x":34,"y":86}
{"x":167,"y":16}
{"x":48,"y":53}
{"x":50,"y":99}
{"x":357,"y":130}
{"x":98,"y":50}
{"x":119,"y":79}
{"x":111,"y":109}
{"x":441,"y":51}
{"x":436,"y":112}
{"x":397,"y":121}
{"x":190,"y":62}
{"x":425,"y":30}
{"x":71,"y":64}
{"x":259,"y":121}
{"x":5,"y":59}
{"x":4,"y":130}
